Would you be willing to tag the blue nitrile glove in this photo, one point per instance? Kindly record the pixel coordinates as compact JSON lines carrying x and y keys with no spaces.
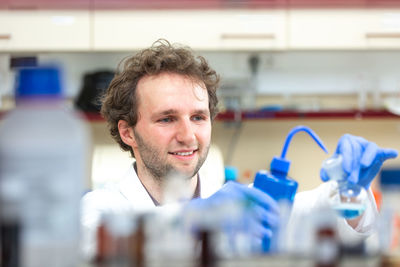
{"x":362,"y":159}
{"x":261,"y":211}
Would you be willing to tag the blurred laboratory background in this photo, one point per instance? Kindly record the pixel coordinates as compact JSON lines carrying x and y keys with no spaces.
{"x":331,"y":65}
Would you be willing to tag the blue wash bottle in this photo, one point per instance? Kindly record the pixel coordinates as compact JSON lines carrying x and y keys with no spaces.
{"x":277,"y":184}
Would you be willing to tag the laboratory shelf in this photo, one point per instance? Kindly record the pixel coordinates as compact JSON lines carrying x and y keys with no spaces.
{"x":285,"y":114}
{"x":92,"y":116}
{"x":296,"y":114}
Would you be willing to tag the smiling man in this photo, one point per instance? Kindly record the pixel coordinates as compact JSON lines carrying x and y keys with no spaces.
{"x":160,"y":108}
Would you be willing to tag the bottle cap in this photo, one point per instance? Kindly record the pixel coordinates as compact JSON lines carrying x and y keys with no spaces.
{"x":38,"y":81}
{"x":280,"y":165}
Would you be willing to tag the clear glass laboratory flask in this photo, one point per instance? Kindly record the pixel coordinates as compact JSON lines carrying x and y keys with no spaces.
{"x":347,"y":199}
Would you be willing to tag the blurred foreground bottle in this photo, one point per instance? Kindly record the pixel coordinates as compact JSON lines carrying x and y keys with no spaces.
{"x":43,"y":153}
{"x":389,"y":221}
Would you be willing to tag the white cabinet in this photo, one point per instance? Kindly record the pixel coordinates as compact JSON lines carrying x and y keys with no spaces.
{"x":208,"y":30}
{"x":44,"y":30}
{"x":199,"y":29}
{"x":344,"y":28}
{"x":382,"y":29}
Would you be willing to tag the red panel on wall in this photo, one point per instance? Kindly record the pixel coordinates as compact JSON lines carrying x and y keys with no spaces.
{"x":155,"y":4}
{"x":45,"y":4}
{"x":192,"y":4}
{"x":326,"y":3}
{"x":382,"y":3}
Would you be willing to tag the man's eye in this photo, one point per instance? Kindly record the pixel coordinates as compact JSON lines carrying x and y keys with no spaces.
{"x":165,"y":120}
{"x":198,"y":118}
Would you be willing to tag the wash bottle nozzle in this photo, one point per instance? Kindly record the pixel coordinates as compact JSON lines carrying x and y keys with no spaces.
{"x":276,"y":183}
{"x":280,"y":165}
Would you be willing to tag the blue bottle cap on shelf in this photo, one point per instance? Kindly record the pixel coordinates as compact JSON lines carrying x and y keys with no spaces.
{"x":231,"y":173}
{"x":38,"y":81}
{"x":390,"y":178}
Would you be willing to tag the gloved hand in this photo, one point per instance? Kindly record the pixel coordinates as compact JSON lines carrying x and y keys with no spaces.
{"x":261,"y":211}
{"x":362,"y":159}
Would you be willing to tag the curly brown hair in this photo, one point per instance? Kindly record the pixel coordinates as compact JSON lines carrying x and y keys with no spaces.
{"x":120,"y":100}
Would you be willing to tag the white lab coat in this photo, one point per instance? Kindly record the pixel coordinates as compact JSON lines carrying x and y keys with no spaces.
{"x":127,"y":195}
{"x":130,"y":195}
{"x":311,"y":208}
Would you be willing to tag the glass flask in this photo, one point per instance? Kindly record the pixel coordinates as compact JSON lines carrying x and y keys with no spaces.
{"x":347,"y":198}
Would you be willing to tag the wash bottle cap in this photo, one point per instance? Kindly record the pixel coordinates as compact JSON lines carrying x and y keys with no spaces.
{"x":280,"y":165}
{"x":38,"y":81}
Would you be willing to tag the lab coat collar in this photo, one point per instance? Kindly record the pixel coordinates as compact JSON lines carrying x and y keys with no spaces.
{"x":133,"y":190}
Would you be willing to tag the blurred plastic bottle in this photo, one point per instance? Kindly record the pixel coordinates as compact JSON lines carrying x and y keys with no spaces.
{"x":43,"y":153}
{"x":326,"y":251}
{"x":348,"y":199}
{"x":389,"y":221}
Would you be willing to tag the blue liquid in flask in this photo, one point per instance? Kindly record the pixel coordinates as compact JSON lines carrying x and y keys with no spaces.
{"x":349,"y":210}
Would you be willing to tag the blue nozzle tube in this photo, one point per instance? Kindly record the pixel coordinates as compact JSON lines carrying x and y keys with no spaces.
{"x":280,"y":165}
{"x":307,"y":130}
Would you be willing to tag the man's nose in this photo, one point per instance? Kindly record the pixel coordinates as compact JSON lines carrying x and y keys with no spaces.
{"x":185,"y":132}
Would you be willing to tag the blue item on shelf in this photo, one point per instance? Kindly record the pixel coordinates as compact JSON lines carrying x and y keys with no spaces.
{"x":231,"y":173}
{"x":38,"y":81}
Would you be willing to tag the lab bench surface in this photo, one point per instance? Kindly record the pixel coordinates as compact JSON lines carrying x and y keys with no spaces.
{"x":275,"y":261}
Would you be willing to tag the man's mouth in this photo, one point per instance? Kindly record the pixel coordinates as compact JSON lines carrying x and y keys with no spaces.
{"x":184,"y":153}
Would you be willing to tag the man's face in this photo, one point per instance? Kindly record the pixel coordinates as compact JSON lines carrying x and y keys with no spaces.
{"x":173,"y":130}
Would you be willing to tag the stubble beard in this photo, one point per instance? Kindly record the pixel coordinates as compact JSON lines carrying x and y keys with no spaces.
{"x":157,"y":166}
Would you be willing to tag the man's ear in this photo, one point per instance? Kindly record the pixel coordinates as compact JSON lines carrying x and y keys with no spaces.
{"x":126,"y":133}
